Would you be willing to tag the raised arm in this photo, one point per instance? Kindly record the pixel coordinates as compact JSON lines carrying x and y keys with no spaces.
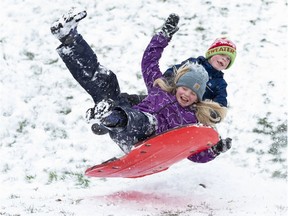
{"x":153,"y":52}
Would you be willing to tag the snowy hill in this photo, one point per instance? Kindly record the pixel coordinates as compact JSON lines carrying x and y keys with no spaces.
{"x":46,"y":144}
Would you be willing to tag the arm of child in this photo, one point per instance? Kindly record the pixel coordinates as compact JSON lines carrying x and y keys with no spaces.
{"x":153,"y":52}
{"x":221,"y":93}
{"x":150,"y":61}
{"x":205,"y":156}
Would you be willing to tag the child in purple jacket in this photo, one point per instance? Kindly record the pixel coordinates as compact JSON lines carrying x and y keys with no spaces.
{"x":165,"y":106}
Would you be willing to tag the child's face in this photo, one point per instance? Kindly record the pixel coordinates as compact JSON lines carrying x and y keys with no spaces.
{"x":185,"y":96}
{"x":220,"y":61}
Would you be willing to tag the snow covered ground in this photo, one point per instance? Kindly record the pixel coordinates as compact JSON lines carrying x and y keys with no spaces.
{"x":46,"y":145}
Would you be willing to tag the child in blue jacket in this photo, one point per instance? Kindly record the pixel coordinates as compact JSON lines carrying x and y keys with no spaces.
{"x":219,"y":56}
{"x":165,"y":106}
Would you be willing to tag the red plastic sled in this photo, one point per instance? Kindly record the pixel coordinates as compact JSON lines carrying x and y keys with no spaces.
{"x":158,"y":153}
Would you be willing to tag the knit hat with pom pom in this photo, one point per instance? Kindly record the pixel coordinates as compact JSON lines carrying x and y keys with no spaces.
{"x":222,"y":46}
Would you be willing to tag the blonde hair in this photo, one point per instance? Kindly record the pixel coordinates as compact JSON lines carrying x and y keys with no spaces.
{"x":171,"y":87}
{"x":204,"y":109}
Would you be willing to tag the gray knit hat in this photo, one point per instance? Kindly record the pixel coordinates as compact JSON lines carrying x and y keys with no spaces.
{"x":195,"y":79}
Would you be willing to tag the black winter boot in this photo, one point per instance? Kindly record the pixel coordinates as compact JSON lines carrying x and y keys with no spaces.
{"x":100,"y":110}
{"x":99,"y":129}
{"x":65,"y":28}
{"x":170,"y":26}
{"x":139,"y":126}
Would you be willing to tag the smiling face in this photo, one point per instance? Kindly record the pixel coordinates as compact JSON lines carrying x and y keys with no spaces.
{"x":220,"y":61}
{"x":185,"y":96}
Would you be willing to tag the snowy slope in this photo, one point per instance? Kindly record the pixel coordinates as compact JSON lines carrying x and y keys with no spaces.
{"x":46,"y":144}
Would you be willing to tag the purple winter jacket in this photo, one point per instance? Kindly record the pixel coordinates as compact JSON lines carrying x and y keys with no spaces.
{"x":163,"y":105}
{"x":159,"y":103}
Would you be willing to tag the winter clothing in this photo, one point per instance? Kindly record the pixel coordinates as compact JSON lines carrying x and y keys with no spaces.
{"x":64,"y":29}
{"x":102,"y":85}
{"x":215,"y":87}
{"x":99,"y":129}
{"x":205,"y":156}
{"x":195,"y":80}
{"x":163,"y":105}
{"x":140,"y":126}
{"x":157,"y":112}
{"x":117,"y":119}
{"x":98,"y":81}
{"x":222,"y":46}
{"x":170,"y":26}
{"x":222,"y":146}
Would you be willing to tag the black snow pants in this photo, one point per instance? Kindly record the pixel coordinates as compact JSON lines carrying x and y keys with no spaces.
{"x":102,"y":84}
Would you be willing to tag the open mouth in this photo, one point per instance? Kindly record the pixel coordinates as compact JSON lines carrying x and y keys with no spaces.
{"x":184,"y":100}
{"x":220,"y":63}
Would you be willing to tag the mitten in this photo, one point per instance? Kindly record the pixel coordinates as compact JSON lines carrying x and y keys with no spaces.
{"x":222,"y":146}
{"x":214,"y":116}
{"x":170,"y":26}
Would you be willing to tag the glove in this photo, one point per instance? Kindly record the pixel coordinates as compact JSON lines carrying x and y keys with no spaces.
{"x":170,"y":26}
{"x":222,"y":146}
{"x":214,"y":116}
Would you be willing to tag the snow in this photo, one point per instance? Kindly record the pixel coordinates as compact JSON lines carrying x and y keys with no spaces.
{"x":46,"y":144}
